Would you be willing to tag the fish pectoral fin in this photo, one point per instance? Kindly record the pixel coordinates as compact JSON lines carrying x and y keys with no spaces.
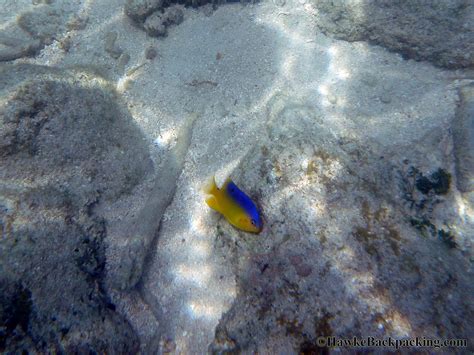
{"x":212,"y":202}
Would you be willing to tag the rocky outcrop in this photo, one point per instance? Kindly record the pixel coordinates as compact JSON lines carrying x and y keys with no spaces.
{"x":66,"y":146}
{"x":131,"y":237}
{"x":439,"y":32}
{"x":338,"y":255}
{"x":157,"y":23}
{"x":36,"y":28}
{"x":154,"y":16}
{"x":463,"y":139}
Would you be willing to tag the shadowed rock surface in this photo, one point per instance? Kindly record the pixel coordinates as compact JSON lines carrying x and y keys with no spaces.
{"x":355,"y":157}
{"x":438,"y":31}
{"x":339,"y":256}
{"x":64,"y":147}
{"x":463,"y":137}
{"x":34,"y":29}
{"x":132,"y":236}
{"x":155,"y":16}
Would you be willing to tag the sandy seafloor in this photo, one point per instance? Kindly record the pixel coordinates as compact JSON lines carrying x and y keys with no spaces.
{"x":224,"y":70}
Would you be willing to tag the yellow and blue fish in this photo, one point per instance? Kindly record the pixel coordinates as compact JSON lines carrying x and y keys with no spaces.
{"x":234,"y":205}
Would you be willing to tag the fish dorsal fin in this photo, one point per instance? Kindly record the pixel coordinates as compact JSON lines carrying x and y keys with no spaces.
{"x":210,"y":187}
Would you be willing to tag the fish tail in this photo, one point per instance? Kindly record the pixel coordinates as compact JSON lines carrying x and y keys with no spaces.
{"x":210,"y":187}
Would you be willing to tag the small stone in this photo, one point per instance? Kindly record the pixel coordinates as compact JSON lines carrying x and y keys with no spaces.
{"x":295,"y":259}
{"x":174,"y":15}
{"x":221,"y":110}
{"x":207,"y":10}
{"x":65,"y":44}
{"x":369,"y":80}
{"x":77,"y":23}
{"x":279,"y":2}
{"x":151,"y":53}
{"x":168,"y":346}
{"x":332,"y":98}
{"x":386,"y":97}
{"x":110,"y":46}
{"x":139,"y":10}
{"x":154,"y":25}
{"x":123,"y":61}
{"x":303,"y":269}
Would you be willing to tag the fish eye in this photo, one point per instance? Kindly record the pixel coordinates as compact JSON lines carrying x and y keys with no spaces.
{"x":253,"y":222}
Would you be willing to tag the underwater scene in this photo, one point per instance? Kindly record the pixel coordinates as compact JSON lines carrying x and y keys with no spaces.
{"x":236,"y":177}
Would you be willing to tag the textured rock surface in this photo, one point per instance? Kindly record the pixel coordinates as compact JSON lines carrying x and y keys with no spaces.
{"x":155,"y":16}
{"x":131,"y":237}
{"x":157,"y":23}
{"x":14,"y":47}
{"x":438,"y":31}
{"x":111,"y":46}
{"x":139,"y":10}
{"x":346,"y":147}
{"x":64,"y":148}
{"x":43,"y":23}
{"x":338,"y":256}
{"x":33,"y":29}
{"x":463,"y":137}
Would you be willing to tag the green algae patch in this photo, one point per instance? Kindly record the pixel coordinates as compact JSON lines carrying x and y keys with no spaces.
{"x":426,"y":229}
{"x":439,"y":182}
{"x":447,"y":238}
